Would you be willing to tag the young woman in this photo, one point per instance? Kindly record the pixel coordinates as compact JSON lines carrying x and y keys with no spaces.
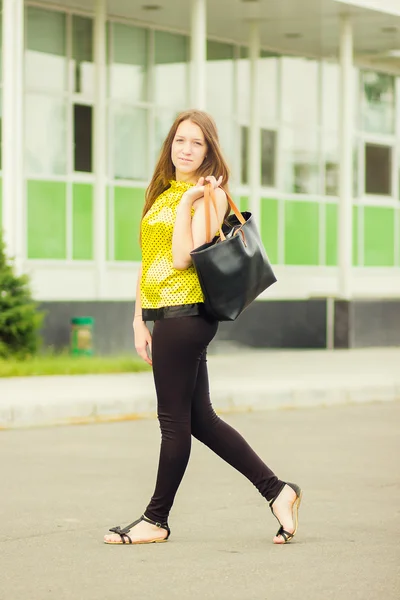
{"x":169,"y":293}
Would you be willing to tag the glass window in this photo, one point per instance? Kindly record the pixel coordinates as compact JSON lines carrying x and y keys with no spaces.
{"x":82,"y":138}
{"x":268,"y":153}
{"x":331,"y":125}
{"x":300,"y":91}
{"x":378,"y":102}
{"x":128,"y":70}
{"x":331,"y":164}
{"x":171,"y":70}
{"x":356,"y":169}
{"x":45,"y":61}
{"x":45,"y":135}
{"x":82,"y":54}
{"x":243,"y":86}
{"x":163,"y":122}
{"x":130,"y":143}
{"x":330,"y":96}
{"x":301,"y":161}
{"x":244,"y":154}
{"x":268,"y":88}
{"x":220,"y":93}
{"x":378,"y":169}
{"x":220,"y":78}
{"x":226,"y":136}
{"x":398,"y":175}
{"x":268,"y":156}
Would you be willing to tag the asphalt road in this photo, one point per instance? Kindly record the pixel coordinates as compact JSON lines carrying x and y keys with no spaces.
{"x":62,"y":488}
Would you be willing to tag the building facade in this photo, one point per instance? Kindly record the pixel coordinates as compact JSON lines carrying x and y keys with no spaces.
{"x":308,"y":111}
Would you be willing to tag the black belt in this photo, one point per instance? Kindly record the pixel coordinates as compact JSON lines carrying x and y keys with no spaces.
{"x":171,"y":312}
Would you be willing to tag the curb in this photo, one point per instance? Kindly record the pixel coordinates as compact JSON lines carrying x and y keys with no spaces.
{"x":27,"y":413}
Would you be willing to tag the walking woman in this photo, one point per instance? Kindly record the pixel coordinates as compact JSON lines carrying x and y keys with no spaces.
{"x":169,"y":293}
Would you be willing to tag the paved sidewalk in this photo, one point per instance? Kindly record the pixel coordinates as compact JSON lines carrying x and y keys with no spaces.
{"x":240,"y":381}
{"x":64,"y":487}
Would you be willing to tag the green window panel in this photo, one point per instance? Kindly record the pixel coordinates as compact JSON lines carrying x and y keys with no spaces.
{"x":244,"y":203}
{"x":47,"y":219}
{"x":128,"y":206}
{"x":269,"y":227}
{"x":356,"y":218}
{"x":82,"y":222}
{"x":379,"y":226}
{"x":301,"y":233}
{"x":331,"y":230}
{"x":398,"y":236}
{"x":331,"y":235}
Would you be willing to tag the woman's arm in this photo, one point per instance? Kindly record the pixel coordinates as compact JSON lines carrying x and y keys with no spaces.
{"x":141,"y":332}
{"x":138,"y":301}
{"x":190,"y":233}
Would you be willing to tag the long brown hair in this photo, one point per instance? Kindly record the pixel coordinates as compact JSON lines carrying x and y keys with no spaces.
{"x":213,"y":164}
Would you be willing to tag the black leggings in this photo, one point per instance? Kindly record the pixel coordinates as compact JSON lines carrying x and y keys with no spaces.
{"x":184,"y":409}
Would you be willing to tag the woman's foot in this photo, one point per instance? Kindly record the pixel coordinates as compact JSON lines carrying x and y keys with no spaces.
{"x":283,"y":509}
{"x":141,"y":532}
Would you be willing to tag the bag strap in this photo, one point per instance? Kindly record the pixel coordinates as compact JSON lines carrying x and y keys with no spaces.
{"x":210,"y":192}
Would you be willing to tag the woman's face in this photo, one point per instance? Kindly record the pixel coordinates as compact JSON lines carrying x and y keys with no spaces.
{"x":188,"y":151}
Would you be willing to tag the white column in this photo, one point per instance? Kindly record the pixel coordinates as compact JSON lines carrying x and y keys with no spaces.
{"x":19,"y":171}
{"x":254,"y":165}
{"x":100,"y":146}
{"x":345,"y":228}
{"x":12,"y":136}
{"x":198,"y":54}
{"x":8,"y":139}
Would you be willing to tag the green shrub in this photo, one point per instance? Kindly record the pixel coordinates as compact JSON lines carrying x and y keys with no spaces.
{"x":20,"y":320}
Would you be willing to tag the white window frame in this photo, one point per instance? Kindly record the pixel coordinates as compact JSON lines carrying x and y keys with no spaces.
{"x":70,"y":98}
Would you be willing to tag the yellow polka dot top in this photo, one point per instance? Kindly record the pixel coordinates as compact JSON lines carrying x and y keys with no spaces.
{"x":165,"y":291}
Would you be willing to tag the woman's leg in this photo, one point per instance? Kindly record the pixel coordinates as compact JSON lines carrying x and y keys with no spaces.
{"x":178,"y":345}
{"x":226,"y":441}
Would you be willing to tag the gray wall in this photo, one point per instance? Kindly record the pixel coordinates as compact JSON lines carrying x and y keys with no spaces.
{"x":273,"y":324}
{"x":112,"y":329}
{"x":264,"y":324}
{"x":363,"y":323}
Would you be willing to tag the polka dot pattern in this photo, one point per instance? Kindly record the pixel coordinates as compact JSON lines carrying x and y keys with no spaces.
{"x":161,"y":284}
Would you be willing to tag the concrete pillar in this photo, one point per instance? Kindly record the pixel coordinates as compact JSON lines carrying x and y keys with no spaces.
{"x":12,"y":130}
{"x":254,"y":158}
{"x":198,"y":54}
{"x":100,"y":145}
{"x":345,"y":221}
{"x":19,"y":171}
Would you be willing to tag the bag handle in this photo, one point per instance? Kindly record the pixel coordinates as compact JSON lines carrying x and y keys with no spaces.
{"x":210,"y":192}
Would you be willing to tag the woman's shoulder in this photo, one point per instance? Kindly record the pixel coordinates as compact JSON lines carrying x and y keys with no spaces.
{"x":221,"y":197}
{"x":220,"y":194}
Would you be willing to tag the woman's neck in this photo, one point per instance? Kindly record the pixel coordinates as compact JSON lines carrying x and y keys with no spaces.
{"x":187,"y":178}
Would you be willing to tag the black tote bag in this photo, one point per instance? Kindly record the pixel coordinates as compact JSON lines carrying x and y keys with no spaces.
{"x":233,"y":269}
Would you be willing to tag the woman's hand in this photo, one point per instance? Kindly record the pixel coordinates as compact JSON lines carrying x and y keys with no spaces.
{"x":185,"y":236}
{"x":197,"y":192}
{"x":142,"y":340}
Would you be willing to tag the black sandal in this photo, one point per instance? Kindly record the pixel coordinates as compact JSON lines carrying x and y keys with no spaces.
{"x":295,"y":513}
{"x":123,"y":533}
